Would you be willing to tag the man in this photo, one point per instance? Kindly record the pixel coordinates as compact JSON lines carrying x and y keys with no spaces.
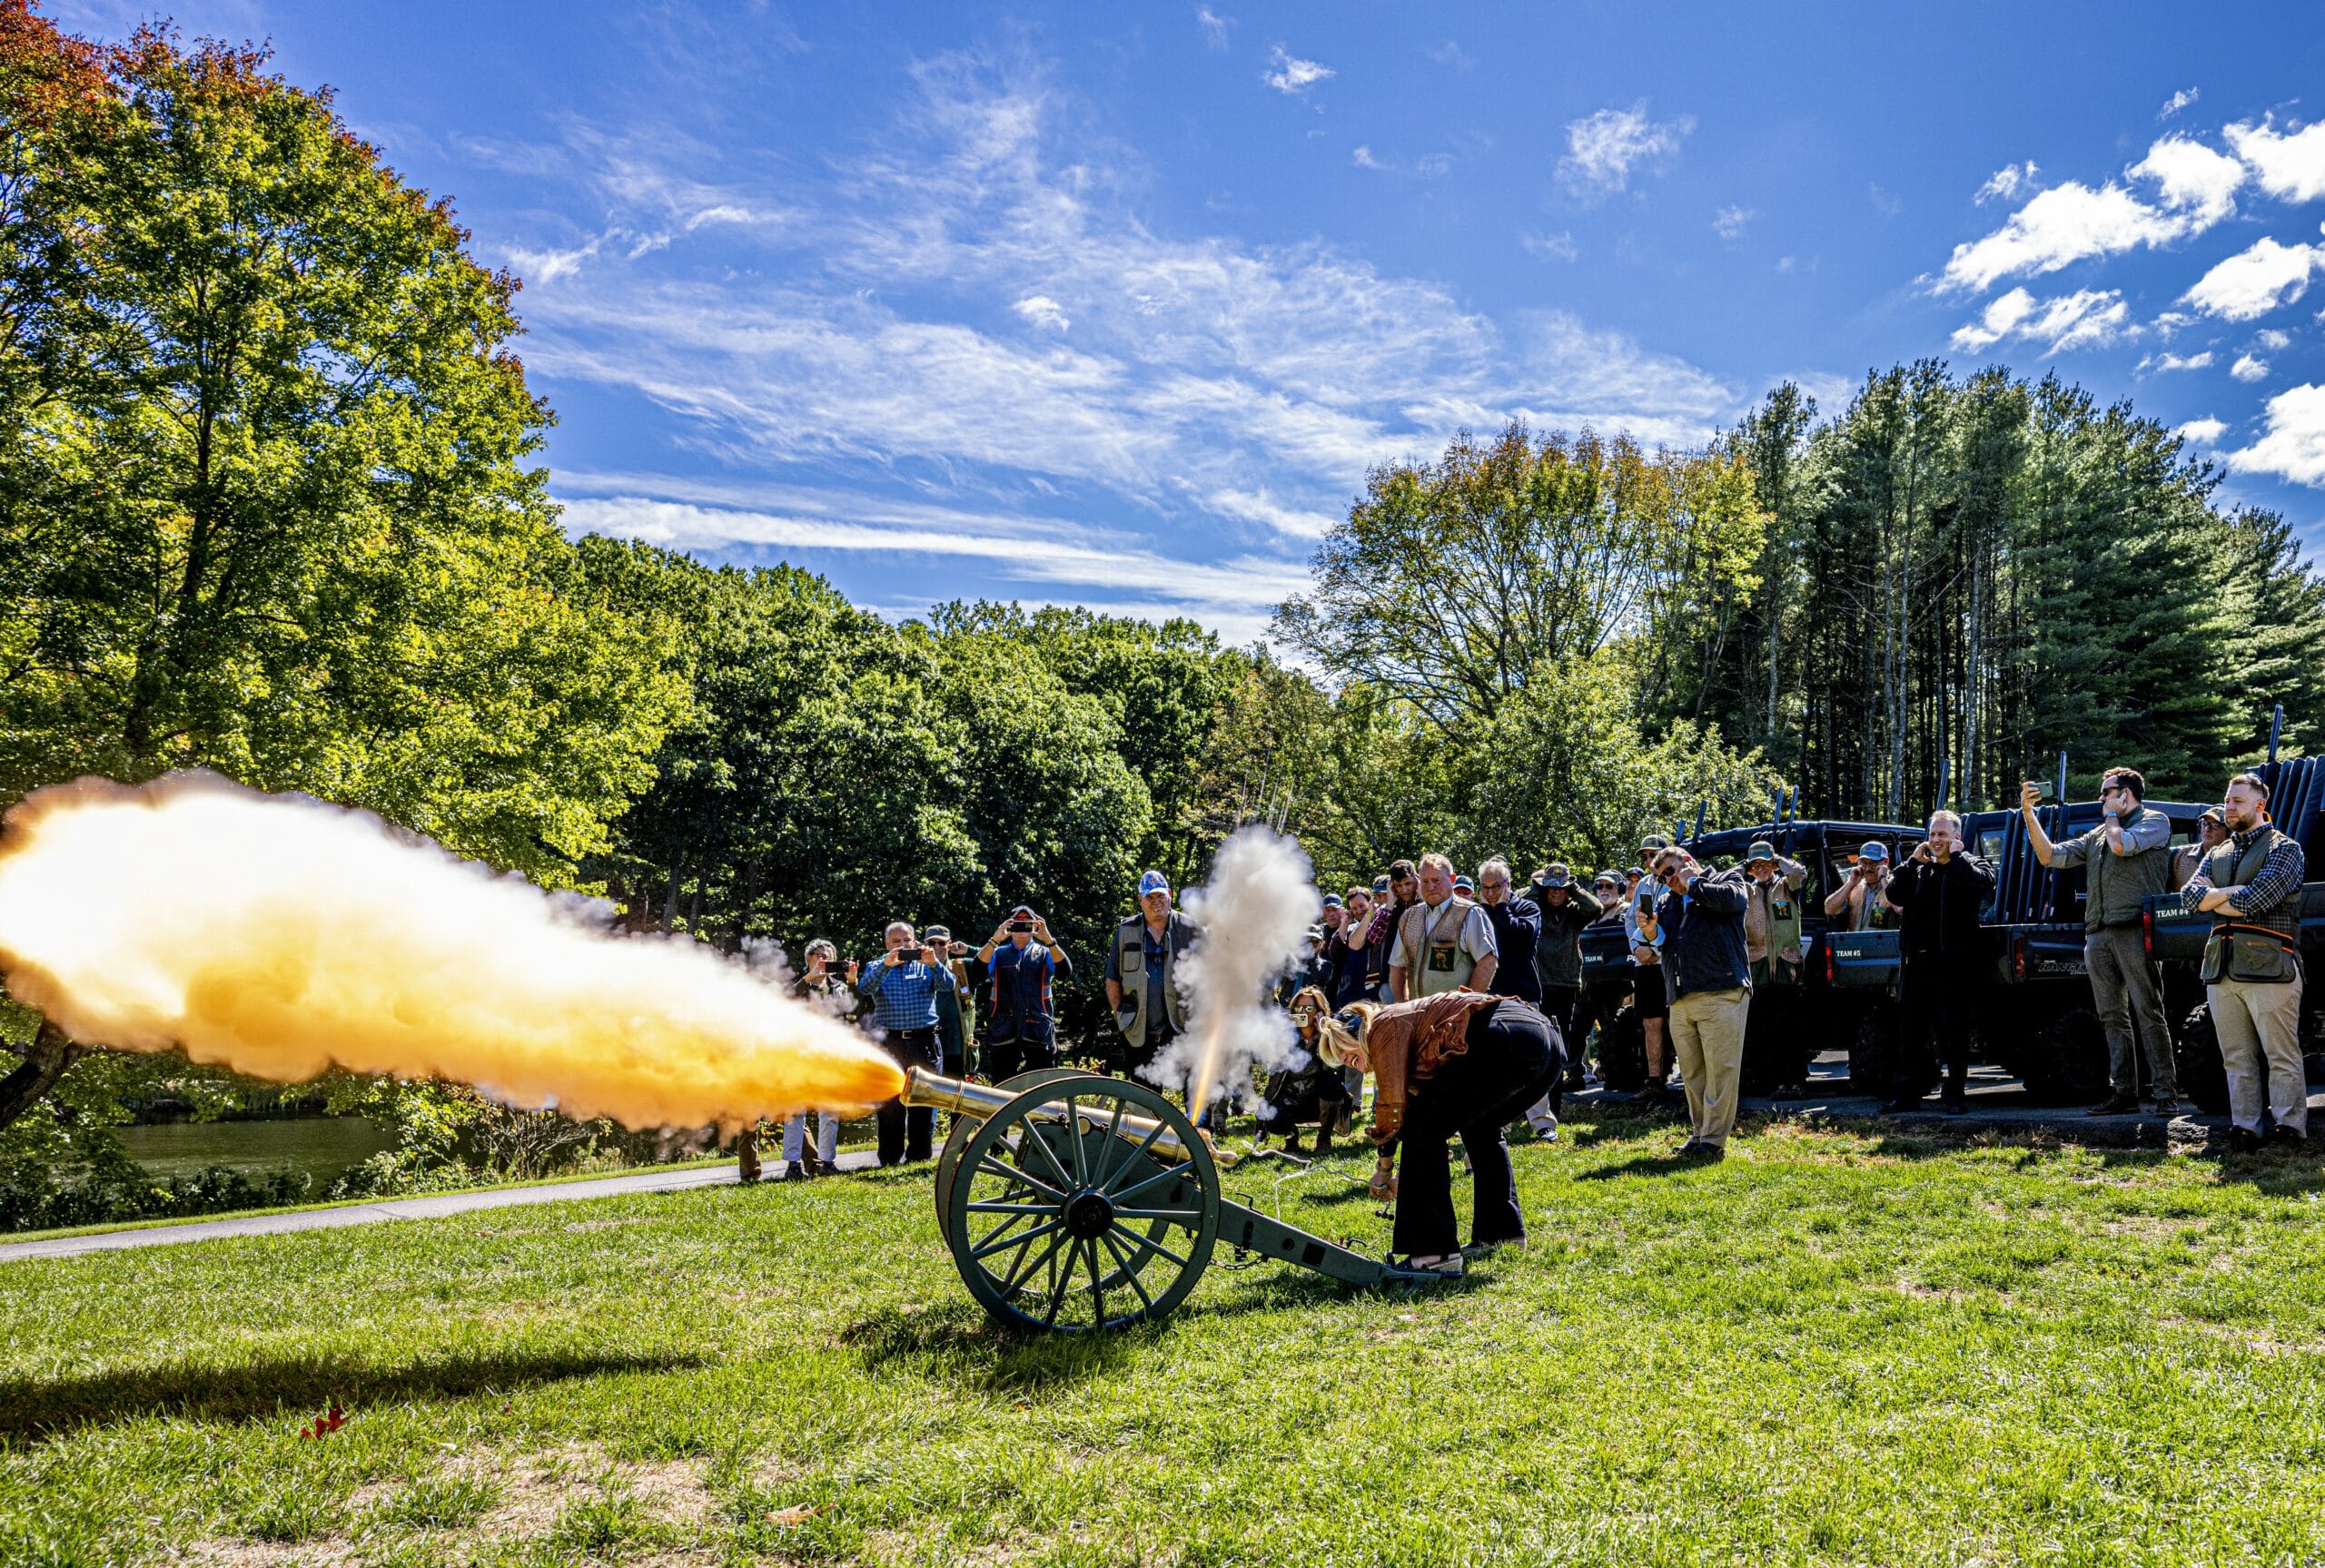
{"x":1773,"y":947}
{"x":1939,"y":892}
{"x":1444,"y":942}
{"x":2211,"y":832}
{"x":1516,"y":925}
{"x":1700,"y":919}
{"x":952,"y":1032}
{"x":1024,"y":961}
{"x":2126,"y":858}
{"x":1558,"y":955}
{"x":1856,"y":904}
{"x":1143,"y":973}
{"x":1401,"y":892}
{"x":2252,"y":976}
{"x":902,"y":988}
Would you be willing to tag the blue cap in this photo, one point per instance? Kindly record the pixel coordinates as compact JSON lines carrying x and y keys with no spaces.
{"x":1153,"y":881}
{"x":1873,"y":848}
{"x":1463,"y":884}
{"x":1333,"y":900}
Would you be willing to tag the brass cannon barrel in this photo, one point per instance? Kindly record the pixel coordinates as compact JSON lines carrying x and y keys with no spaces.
{"x":980,"y":1101}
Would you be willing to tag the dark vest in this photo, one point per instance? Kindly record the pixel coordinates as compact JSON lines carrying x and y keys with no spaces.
{"x":2226,"y":868}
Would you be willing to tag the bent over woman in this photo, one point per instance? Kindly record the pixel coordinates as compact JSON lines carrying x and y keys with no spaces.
{"x":1455,"y":1064}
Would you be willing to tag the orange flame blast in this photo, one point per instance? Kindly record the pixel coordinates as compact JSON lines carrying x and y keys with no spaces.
{"x":279,"y":937}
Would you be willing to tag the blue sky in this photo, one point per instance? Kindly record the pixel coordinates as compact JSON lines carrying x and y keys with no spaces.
{"x":1114,"y":304}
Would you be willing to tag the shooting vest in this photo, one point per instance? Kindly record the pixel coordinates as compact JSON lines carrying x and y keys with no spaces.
{"x":2262,"y":946}
{"x":1783,"y":906}
{"x":1130,"y":961}
{"x":2116,"y":886}
{"x":1435,"y":962}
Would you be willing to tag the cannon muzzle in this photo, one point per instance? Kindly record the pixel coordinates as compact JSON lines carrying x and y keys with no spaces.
{"x":979,"y":1101}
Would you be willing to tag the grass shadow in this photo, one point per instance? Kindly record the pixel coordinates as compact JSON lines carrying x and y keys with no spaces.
{"x":35,"y":1409}
{"x":960,"y":1344}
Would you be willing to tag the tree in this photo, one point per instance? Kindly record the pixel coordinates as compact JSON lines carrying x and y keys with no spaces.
{"x":264,"y":501}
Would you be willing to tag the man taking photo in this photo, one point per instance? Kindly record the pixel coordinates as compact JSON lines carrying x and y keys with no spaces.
{"x":1940,"y":890}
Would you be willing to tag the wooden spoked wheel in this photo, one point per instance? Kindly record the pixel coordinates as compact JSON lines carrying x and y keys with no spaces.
{"x":1060,"y":1217}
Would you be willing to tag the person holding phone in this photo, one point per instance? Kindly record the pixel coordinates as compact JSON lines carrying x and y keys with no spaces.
{"x":902,"y":991}
{"x":1941,"y":890}
{"x":1700,"y":915}
{"x":1024,"y":961}
{"x":1650,"y":993}
{"x":2126,"y":857}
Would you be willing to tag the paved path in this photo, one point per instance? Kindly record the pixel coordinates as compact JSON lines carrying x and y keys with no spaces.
{"x":390,"y":1208}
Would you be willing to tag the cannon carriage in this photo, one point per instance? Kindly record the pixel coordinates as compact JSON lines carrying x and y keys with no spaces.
{"x":1077,"y":1202}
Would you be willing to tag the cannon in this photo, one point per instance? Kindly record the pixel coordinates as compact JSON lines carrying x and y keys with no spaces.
{"x":1079,"y":1202}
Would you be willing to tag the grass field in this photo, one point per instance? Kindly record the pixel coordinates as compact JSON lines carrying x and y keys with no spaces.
{"x":1831,"y":1348}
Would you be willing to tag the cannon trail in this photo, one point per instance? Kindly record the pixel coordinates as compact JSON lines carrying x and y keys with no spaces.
{"x":279,"y":937}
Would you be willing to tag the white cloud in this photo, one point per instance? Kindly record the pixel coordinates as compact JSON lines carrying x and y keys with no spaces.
{"x":1214,"y":26}
{"x":1211,"y":389}
{"x":2256,"y":281}
{"x":2086,"y":318}
{"x":1730,"y":223}
{"x":2177,"y":101}
{"x":540,"y":268}
{"x":2072,"y":221}
{"x":1292,"y":74}
{"x":2203,"y":432}
{"x":2201,"y":361}
{"x":2289,"y":166}
{"x":1885,"y":202}
{"x":1364,"y":159}
{"x":2294,"y":447}
{"x":2248,"y":370}
{"x":1040,"y":311}
{"x":2273,"y":340}
{"x":2192,"y":178}
{"x":1558,"y":247}
{"x":2172,"y":321}
{"x":1602,"y":149}
{"x":2005,"y":182}
{"x":1451,"y":52}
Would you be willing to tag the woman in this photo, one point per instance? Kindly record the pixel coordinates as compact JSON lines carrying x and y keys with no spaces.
{"x":1457,"y":1063}
{"x":1312,"y":1092}
{"x":821,"y":989}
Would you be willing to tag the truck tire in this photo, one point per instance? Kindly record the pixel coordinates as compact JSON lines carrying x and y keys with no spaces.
{"x":1873,"y":1050}
{"x":2202,"y":1077}
{"x":1622,"y":1053}
{"x":2068,"y":1063}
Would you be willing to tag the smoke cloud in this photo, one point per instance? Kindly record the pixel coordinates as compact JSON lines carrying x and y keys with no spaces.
{"x":280,"y":936}
{"x":1255,"y":915}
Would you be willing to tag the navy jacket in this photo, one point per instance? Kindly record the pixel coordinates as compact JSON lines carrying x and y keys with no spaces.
{"x":1703,"y":935}
{"x":1021,"y":1007}
{"x":1517,"y":928}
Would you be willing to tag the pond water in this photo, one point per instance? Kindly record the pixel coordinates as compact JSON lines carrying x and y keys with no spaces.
{"x":322,"y":1146}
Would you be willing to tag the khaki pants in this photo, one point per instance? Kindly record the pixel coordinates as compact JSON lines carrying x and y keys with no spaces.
{"x":2260,"y":1045}
{"x":1707,"y":1032}
{"x":2124,"y":991}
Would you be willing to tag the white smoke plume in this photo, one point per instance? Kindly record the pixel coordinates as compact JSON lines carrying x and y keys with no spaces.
{"x":1254,"y":915}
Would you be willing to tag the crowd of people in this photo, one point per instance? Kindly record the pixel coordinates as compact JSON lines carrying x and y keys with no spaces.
{"x":1463,"y":996}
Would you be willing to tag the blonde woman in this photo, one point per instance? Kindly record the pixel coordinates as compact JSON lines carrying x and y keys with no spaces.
{"x":1312,"y":1092}
{"x":1459,"y":1063}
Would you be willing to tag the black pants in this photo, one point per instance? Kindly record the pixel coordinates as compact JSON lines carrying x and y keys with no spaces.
{"x":1939,"y":998}
{"x":908,"y":1134}
{"x":1776,"y":1043}
{"x":1513,"y":1056}
{"x":1005,"y":1058}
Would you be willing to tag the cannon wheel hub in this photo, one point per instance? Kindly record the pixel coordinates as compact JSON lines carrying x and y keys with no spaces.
{"x":1089,"y":1214}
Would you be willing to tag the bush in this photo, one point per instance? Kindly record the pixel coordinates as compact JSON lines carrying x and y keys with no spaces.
{"x":107,"y":1187}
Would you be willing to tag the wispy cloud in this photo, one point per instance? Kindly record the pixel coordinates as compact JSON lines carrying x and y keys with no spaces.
{"x":1731,"y":223}
{"x":1558,"y":247}
{"x":2074,"y":221}
{"x":1451,"y":52}
{"x":1214,"y":26}
{"x":1604,"y":148}
{"x":2247,"y":368}
{"x":1291,"y":75}
{"x":2005,"y":182}
{"x":2082,"y":320}
{"x":2177,"y":101}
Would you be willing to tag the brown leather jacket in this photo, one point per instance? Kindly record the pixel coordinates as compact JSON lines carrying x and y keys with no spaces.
{"x":1406,"y":1043}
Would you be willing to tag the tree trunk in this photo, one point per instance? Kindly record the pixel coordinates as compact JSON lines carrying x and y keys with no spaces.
{"x":51,"y":1052}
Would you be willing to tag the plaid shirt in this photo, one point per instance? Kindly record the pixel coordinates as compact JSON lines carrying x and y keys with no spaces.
{"x":2279,"y":878}
{"x":904,"y":996}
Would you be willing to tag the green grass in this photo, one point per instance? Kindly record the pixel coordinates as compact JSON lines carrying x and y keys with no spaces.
{"x":1834,"y":1349}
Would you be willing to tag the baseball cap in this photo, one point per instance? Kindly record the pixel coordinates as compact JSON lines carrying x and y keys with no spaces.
{"x":1558,"y":877}
{"x":1873,"y":848}
{"x":1333,"y":900}
{"x":1761,"y":850}
{"x":1381,"y":882}
{"x":1153,"y":881}
{"x":936,"y":933}
{"x":1608,"y":879}
{"x":1635,"y":870}
{"x":1653,"y":841}
{"x":1023,"y":911}
{"x":2212,"y":813}
{"x":1463,"y":884}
